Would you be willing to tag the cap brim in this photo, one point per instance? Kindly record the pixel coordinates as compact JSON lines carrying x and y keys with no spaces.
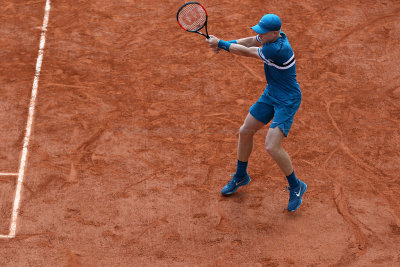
{"x":259,"y":30}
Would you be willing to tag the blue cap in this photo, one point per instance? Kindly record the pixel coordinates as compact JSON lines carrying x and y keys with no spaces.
{"x":269,"y":22}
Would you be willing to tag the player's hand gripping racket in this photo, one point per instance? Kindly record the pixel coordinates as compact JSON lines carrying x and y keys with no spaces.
{"x":192,"y":17}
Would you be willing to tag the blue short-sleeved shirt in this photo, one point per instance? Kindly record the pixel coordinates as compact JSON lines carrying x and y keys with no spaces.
{"x":280,"y":69}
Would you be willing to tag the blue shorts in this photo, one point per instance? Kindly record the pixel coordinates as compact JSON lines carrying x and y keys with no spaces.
{"x":268,"y":107}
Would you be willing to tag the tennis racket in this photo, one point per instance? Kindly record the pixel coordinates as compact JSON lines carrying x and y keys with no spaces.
{"x":192,"y":17}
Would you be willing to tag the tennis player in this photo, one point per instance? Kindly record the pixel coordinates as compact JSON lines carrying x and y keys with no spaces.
{"x":279,"y":102}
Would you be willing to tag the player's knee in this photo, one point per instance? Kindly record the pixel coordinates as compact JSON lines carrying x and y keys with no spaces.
{"x":246,"y":132}
{"x":271,"y":147}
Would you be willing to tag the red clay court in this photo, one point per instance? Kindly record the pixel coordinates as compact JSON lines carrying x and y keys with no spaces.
{"x":134,"y":132}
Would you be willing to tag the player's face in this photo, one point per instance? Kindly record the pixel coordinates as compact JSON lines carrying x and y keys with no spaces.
{"x":268,"y":37}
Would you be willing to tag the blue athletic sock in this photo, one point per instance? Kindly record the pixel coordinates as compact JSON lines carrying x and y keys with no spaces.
{"x":241,"y":170}
{"x":293,"y":181}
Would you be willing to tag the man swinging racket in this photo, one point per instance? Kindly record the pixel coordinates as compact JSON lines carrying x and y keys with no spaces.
{"x":279,"y":102}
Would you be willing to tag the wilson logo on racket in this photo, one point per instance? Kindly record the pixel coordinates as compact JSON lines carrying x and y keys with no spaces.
{"x":192,"y":17}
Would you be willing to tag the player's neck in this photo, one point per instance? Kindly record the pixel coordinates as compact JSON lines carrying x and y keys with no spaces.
{"x":274,"y":39}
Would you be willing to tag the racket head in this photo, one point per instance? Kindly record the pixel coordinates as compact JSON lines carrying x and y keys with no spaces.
{"x":192,"y":17}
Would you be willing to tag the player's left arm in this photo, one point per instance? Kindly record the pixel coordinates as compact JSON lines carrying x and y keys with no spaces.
{"x":248,"y":41}
{"x":236,"y":49}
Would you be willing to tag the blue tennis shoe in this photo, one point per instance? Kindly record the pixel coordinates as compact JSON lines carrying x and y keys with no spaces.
{"x":235,"y":183}
{"x":295,"y":196}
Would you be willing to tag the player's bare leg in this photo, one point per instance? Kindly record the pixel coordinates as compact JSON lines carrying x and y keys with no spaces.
{"x":273,"y":144}
{"x":246,"y":137}
{"x":245,"y":146}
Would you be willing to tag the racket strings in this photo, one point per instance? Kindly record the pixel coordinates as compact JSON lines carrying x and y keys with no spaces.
{"x":192,"y":17}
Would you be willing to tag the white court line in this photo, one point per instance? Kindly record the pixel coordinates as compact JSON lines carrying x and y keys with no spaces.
{"x":21,"y":173}
{"x":8,"y":174}
{"x":5,"y":236}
